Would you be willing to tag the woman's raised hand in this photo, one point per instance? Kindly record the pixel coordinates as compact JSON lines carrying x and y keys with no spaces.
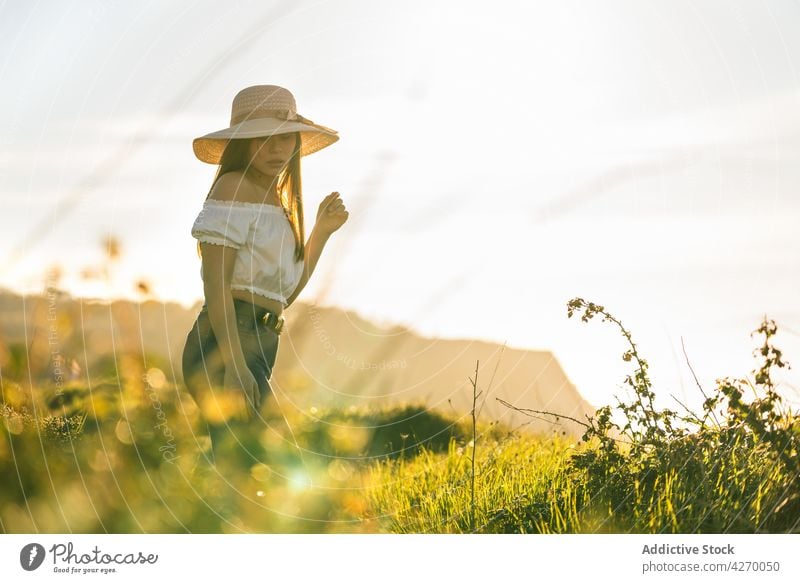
{"x":240,"y":383}
{"x":331,"y":214}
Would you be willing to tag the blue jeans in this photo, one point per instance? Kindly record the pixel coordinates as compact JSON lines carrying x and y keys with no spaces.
{"x":204,"y":369}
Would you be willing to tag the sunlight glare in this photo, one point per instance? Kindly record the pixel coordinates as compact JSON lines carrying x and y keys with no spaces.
{"x":299,"y":480}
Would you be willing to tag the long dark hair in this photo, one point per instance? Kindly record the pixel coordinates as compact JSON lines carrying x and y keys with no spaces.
{"x":290,"y":189}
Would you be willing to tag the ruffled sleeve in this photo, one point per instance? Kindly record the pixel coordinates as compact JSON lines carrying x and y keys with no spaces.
{"x":222,"y":224}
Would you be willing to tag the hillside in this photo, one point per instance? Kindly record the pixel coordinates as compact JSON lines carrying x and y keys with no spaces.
{"x":327,"y":358}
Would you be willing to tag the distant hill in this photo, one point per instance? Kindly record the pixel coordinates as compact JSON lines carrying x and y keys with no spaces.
{"x":328,"y":357}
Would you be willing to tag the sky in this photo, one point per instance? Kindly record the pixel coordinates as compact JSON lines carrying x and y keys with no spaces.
{"x":497,"y":159}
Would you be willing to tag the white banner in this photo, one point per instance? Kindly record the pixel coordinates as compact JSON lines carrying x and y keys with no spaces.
{"x":355,"y":558}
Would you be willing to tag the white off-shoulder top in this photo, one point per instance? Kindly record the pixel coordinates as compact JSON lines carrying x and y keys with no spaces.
{"x":262,"y":235}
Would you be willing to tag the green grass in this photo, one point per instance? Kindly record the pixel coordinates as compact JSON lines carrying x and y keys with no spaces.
{"x":431,"y":492}
{"x":322,"y":477}
{"x":127,"y":457}
{"x":530,"y":485}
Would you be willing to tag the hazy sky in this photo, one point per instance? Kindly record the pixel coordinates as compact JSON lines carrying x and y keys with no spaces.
{"x":497,"y":159}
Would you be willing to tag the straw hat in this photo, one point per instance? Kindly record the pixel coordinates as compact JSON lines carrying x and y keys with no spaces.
{"x":260,"y":111}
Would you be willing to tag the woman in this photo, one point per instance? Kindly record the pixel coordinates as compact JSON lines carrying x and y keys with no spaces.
{"x":255,"y":260}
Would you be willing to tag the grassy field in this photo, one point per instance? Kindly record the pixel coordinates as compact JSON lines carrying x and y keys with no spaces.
{"x":127,"y":457}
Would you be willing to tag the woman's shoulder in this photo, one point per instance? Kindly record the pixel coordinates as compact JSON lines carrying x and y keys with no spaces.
{"x":231,"y":186}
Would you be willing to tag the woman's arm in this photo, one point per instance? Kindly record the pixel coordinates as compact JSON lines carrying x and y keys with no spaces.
{"x":330,"y":216}
{"x":217,"y":269}
{"x":218,"y":262}
{"x":314,"y":246}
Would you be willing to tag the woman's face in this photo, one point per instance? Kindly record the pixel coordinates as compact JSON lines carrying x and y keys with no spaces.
{"x":270,"y":155}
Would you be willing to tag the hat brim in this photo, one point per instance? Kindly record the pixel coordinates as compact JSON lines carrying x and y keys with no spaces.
{"x":313,"y":137}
